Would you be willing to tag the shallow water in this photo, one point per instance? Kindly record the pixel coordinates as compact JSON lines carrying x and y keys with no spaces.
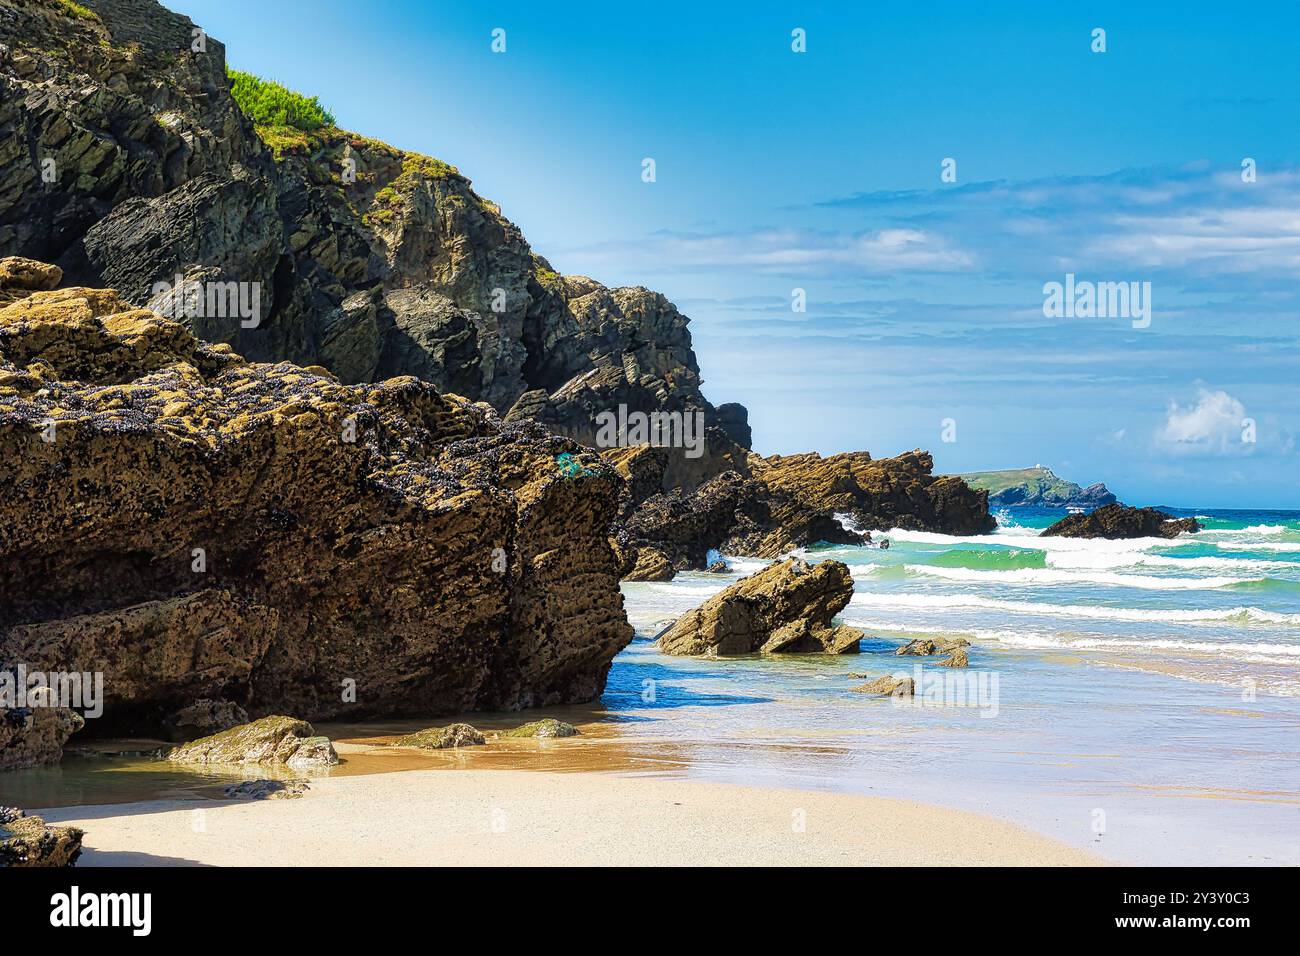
{"x":1146,"y":705}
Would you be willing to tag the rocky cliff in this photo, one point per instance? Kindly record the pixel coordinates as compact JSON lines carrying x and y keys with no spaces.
{"x":126,"y":160}
{"x":200,"y":527}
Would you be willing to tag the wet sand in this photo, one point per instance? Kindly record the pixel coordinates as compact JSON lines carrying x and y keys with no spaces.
{"x":531,"y":818}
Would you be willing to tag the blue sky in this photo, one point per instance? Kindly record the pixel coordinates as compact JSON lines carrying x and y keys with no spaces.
{"x":820,"y":171}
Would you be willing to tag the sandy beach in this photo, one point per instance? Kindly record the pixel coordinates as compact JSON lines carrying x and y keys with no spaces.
{"x":499,"y":817}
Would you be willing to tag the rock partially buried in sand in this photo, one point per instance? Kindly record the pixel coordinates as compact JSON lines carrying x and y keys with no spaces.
{"x":271,"y":740}
{"x":34,"y":736}
{"x":547,"y":727}
{"x":28,"y":841}
{"x":888,"y":686}
{"x":786,"y":607}
{"x":442,"y":738}
{"x":267,"y":790}
{"x":204,"y":718}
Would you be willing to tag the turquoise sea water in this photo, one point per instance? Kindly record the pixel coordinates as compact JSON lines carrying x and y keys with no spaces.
{"x":1147,"y":692}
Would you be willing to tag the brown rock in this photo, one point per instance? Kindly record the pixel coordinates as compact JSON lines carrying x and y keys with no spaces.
{"x":918,"y":648}
{"x":203,"y":718}
{"x":34,"y":736}
{"x":651,"y":565}
{"x":1121,"y":521}
{"x":29,"y":842}
{"x":442,"y":738}
{"x":788,"y":606}
{"x":958,"y":658}
{"x":267,"y":790}
{"x":271,"y":740}
{"x":888,"y":686}
{"x":206,"y":528}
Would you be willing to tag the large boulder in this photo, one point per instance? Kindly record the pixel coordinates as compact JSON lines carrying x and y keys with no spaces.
{"x":1122,"y":521}
{"x":197,"y":527}
{"x":34,"y":736}
{"x":269,"y":741}
{"x":786,"y":607}
{"x":30,"y":842}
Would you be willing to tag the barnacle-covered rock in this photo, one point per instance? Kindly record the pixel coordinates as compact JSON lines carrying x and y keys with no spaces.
{"x":200,"y":527}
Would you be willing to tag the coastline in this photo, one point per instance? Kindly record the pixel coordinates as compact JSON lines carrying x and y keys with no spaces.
{"x":532,"y":818}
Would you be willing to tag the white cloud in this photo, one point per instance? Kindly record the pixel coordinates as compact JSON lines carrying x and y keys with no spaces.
{"x":782,"y":251}
{"x":1216,"y":425}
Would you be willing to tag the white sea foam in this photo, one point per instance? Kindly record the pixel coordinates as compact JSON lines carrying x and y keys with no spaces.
{"x":1134,"y":559}
{"x":1240,"y":615}
{"x":1046,"y":577}
{"x":1040,"y":639}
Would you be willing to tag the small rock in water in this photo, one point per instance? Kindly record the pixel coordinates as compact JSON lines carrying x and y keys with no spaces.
{"x":267,"y":790}
{"x":959,"y":658}
{"x":891,"y":686}
{"x":442,"y":738}
{"x":547,"y":727}
{"x":919,"y":648}
{"x":718,"y":567}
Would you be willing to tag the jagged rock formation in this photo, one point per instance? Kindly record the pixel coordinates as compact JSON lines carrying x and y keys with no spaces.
{"x":787,"y":502}
{"x":370,"y":261}
{"x":203,"y":527}
{"x":1037,"y":486}
{"x":879,"y":494}
{"x":28,"y":841}
{"x":34,"y":736}
{"x":787,"y":607}
{"x":1122,"y":521}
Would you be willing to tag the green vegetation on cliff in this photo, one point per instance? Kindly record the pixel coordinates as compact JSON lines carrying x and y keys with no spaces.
{"x":268,"y":103}
{"x":77,"y":11}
